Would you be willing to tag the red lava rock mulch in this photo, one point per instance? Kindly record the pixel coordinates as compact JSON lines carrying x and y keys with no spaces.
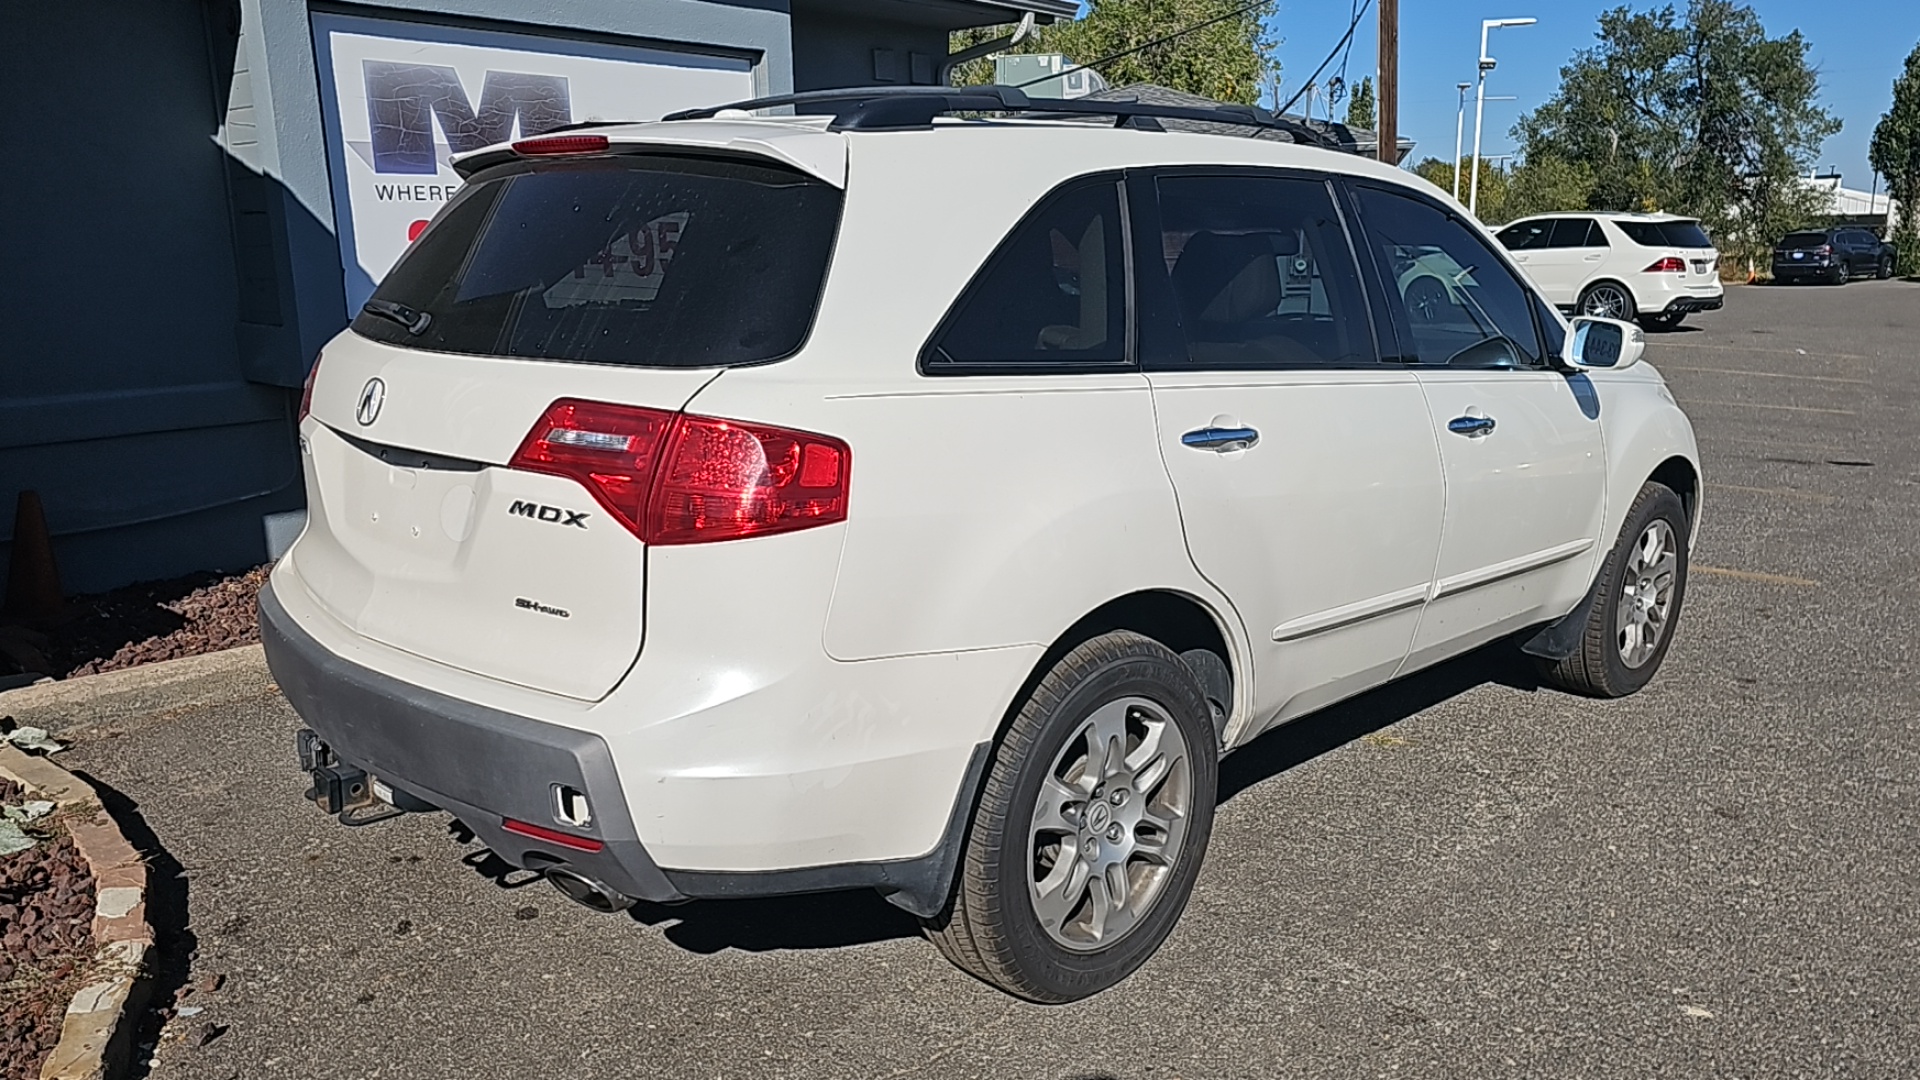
{"x":46,"y":941}
{"x":138,"y":624}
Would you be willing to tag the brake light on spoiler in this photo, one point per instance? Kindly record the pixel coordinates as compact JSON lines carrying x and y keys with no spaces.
{"x":547,"y":145}
{"x":676,"y":478}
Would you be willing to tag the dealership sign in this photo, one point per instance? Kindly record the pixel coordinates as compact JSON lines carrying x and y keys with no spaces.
{"x":400,"y":99}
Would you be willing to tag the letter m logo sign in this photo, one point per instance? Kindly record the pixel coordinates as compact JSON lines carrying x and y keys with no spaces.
{"x":404,"y":99}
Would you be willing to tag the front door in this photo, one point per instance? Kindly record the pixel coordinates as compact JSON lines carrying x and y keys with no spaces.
{"x":1307,"y":473}
{"x":1519,"y":441}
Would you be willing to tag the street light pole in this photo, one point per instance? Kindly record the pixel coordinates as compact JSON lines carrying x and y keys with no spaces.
{"x":1480,"y":104}
{"x":1459,"y":128}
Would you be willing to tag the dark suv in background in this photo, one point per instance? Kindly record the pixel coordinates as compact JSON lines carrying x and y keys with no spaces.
{"x":1831,"y":255}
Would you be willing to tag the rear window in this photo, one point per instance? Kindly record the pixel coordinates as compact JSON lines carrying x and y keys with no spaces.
{"x":639,"y":261}
{"x":1680,"y":234}
{"x":1804,"y":240}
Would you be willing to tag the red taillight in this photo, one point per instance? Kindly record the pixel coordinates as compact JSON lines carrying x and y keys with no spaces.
{"x":551,"y":836}
{"x":1668,"y":265}
{"x":1823,"y":249}
{"x":306,"y":391}
{"x":560,"y":144}
{"x":672,"y":478}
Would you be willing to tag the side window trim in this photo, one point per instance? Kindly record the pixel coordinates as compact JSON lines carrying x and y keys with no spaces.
{"x":1129,"y":361}
{"x":1160,"y":333}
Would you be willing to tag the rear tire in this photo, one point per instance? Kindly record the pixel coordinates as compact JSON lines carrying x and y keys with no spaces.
{"x":1885,"y":269}
{"x":1609,"y":299}
{"x":1075,"y":870}
{"x":1636,"y":603}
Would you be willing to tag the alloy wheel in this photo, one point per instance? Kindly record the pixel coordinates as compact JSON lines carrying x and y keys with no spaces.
{"x":1607,"y":302}
{"x":1646,"y":594}
{"x":1109,"y":824}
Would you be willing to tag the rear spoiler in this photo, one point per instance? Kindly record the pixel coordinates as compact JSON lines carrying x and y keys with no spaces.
{"x":810,"y":148}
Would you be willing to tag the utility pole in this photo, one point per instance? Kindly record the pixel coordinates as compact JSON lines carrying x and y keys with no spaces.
{"x":1459,"y":119}
{"x":1388,"y":100}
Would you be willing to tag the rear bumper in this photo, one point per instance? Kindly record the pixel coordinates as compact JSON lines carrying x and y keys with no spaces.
{"x":1683,"y":305}
{"x":485,"y":765}
{"x":1804,"y":271}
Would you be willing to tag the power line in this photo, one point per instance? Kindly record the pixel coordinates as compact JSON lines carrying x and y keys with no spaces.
{"x":1341,"y":44}
{"x":1235,"y":13}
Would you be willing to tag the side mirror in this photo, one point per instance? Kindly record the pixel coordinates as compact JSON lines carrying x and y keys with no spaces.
{"x":1598,"y":344}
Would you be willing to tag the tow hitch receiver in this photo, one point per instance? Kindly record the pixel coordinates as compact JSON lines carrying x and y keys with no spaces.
{"x":338,"y":788}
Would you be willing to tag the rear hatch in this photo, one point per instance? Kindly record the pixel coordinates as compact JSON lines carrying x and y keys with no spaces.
{"x":439,"y":522}
{"x":1804,"y":248}
{"x":1684,"y":240}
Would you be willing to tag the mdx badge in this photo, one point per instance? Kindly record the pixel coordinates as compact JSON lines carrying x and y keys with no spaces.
{"x":372,"y":396}
{"x":555,"y":515}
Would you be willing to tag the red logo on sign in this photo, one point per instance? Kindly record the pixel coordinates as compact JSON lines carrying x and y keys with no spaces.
{"x":414,"y":230}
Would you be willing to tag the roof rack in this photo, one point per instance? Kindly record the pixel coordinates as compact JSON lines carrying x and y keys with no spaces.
{"x":880,"y":108}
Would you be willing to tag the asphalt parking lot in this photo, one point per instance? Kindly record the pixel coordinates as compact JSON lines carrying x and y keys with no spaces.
{"x":1462,"y":875}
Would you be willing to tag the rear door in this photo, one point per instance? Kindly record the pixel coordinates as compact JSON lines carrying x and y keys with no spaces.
{"x":631,"y":280}
{"x":1520,"y":442}
{"x":1308,"y":476}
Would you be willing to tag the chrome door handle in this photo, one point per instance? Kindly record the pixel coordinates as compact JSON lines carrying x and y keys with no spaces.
{"x":1220,"y":439}
{"x":1473,"y":427}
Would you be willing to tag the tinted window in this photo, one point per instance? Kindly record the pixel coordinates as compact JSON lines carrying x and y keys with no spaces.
{"x":1261,"y":273}
{"x":1526,"y":234}
{"x":1460,"y":304}
{"x":1054,"y":293}
{"x":1571,"y":233}
{"x":650,"y":262}
{"x":1804,"y":240}
{"x":1682,"y":234}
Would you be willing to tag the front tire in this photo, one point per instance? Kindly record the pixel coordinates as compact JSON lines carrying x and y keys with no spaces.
{"x":1885,"y":269}
{"x":1609,"y":300}
{"x":1636,"y":602}
{"x":1091,"y":825}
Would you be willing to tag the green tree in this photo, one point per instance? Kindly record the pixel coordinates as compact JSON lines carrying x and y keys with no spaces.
{"x":1230,"y":60}
{"x":1895,"y":154}
{"x":1360,"y":106}
{"x":1494,"y":185}
{"x":1697,"y":112}
{"x":1545,"y":184}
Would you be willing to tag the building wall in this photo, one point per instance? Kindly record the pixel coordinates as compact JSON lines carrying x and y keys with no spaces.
{"x":833,"y":49}
{"x":171,"y":267}
{"x":123,"y":398}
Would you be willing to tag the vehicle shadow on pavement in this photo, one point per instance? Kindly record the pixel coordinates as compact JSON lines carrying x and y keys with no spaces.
{"x":818,"y":921}
{"x":174,"y":942}
{"x":1300,"y":741}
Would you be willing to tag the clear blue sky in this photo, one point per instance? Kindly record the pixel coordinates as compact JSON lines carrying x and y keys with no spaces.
{"x":1857,"y":46}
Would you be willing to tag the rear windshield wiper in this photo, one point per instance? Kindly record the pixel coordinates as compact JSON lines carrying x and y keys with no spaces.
{"x":414,"y":321}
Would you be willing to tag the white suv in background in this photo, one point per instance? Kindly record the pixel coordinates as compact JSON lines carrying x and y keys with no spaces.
{"x":875,"y":498}
{"x":1657,"y":268}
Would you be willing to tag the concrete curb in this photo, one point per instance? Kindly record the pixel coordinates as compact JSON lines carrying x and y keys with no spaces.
{"x":96,"y":1039}
{"x":128,"y":680}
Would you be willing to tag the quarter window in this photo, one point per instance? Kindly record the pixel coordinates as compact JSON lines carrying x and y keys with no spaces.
{"x":1261,"y":274}
{"x":1053,"y":295}
{"x":1460,"y":304}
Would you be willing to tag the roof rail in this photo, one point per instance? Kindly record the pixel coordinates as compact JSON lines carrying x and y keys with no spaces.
{"x":878,"y":108}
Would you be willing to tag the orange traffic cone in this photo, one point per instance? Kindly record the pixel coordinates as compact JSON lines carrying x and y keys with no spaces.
{"x":33,"y":581}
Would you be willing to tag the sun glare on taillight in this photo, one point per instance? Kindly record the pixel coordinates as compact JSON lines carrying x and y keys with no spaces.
{"x":306,"y":392}
{"x":545,"y":145}
{"x":1668,"y":265}
{"x":676,"y":479}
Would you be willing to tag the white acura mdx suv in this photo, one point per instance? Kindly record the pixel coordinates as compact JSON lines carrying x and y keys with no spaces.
{"x":885,"y":498}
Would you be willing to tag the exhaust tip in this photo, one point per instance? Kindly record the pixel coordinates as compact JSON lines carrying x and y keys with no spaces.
{"x":588,"y":892}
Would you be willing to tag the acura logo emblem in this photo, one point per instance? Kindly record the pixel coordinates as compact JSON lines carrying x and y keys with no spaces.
{"x":372,"y":396}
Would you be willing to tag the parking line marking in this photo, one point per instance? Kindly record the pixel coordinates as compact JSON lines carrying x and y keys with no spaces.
{"x":1768,"y":374}
{"x":1754,"y":575}
{"x":1785,"y":493}
{"x":1773,"y":444}
{"x":1755,"y":349}
{"x":1757,"y":405}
